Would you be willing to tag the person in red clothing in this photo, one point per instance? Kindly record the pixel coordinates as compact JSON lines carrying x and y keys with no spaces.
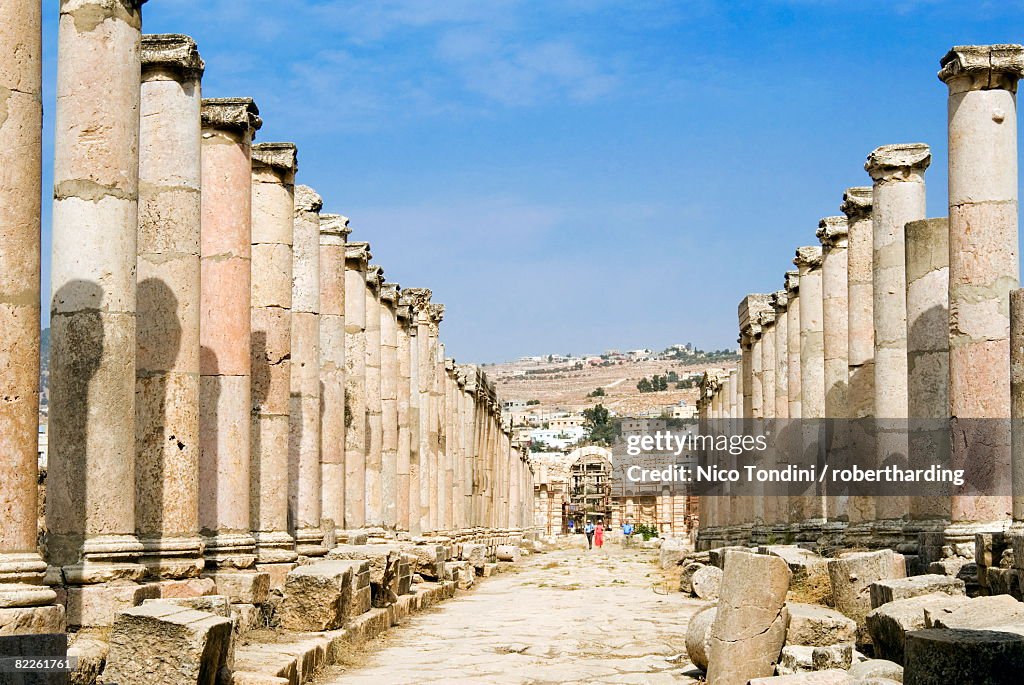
{"x":599,"y":534}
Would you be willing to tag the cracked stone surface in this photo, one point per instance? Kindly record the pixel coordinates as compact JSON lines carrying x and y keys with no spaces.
{"x":569,"y":616}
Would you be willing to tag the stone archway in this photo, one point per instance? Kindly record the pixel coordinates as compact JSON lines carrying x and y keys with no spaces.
{"x":590,"y":481}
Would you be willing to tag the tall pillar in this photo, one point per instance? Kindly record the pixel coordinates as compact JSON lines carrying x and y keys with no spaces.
{"x":1017,"y":404}
{"x":21,"y":588}
{"x":792,"y":287}
{"x":374,"y":422}
{"x":357,"y":257}
{"x":812,"y":379}
{"x":90,"y":508}
{"x":167,"y":320}
{"x":305,"y":477}
{"x":983,"y":269}
{"x":224,"y":331}
{"x":411,"y":301}
{"x":927,"y":248}
{"x":860,"y":341}
{"x":780,"y":304}
{"x":403,"y":349}
{"x":334,"y":232}
{"x":435,"y":359}
{"x":768,"y":505}
{"x":832,"y":233}
{"x":389,"y":382}
{"x":898,"y":198}
{"x":419,"y":502}
{"x":273,"y":209}
{"x":450,"y":447}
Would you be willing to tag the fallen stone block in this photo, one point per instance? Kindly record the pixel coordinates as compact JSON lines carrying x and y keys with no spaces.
{"x":507,"y":553}
{"x":316,"y":596}
{"x":1002,"y":581}
{"x":817,"y":626}
{"x":247,"y":618}
{"x":32,"y":620}
{"x":211,"y":604}
{"x":877,"y":668}
{"x":671,"y":553}
{"x":963,"y":569}
{"x":851,"y":577}
{"x":889,"y":623}
{"x":430,"y":559}
{"x":698,"y":637}
{"x":381,"y":559}
{"x":686,"y":576}
{"x":989,"y":548}
{"x":980,"y":612}
{"x":750,"y":626}
{"x":467,"y":574}
{"x":716,"y":557}
{"x":242,"y":587}
{"x":885,"y":591}
{"x":249,"y":678}
{"x":488,"y":570}
{"x":278,"y":571}
{"x":275,"y":665}
{"x":834,"y":677}
{"x":191,"y":587}
{"x":800,"y":560}
{"x":168,"y":644}
{"x":937,"y":656}
{"x":98,"y":605}
{"x":475,"y":554}
{"x":91,"y":656}
{"x":877,"y":681}
{"x":804,"y":659}
{"x":706,"y":583}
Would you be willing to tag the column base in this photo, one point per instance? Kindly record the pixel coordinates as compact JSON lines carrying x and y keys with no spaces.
{"x":230,"y":550}
{"x":810,"y":530}
{"x":173,"y":558}
{"x":274,"y":547}
{"x":958,"y":537}
{"x":919,"y":536}
{"x":22,"y":581}
{"x":833,"y":534}
{"x":248,"y":586}
{"x":97,"y":605}
{"x":277,"y":572}
{"x":886,"y":534}
{"x":309,"y":542}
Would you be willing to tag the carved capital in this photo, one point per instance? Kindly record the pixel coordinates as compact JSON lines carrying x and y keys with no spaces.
{"x":832,"y":232}
{"x":982,"y":67}
{"x":902,"y":162}
{"x":236,"y":114}
{"x":389,"y":292}
{"x":307,"y":200}
{"x":282,"y":157}
{"x":334,"y":226}
{"x":792,"y":283}
{"x":808,"y":257}
{"x":171,"y":51}
{"x":359,"y":253}
{"x":857,"y":202}
{"x":780,"y":302}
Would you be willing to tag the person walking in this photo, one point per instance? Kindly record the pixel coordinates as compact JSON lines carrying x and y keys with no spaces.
{"x":589,"y":530}
{"x":627,"y":532}
{"x":599,"y":534}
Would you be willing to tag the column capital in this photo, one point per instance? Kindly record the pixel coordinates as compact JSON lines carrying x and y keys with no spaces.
{"x":808,"y":257}
{"x":791,"y":281}
{"x":767,"y":317}
{"x":334,"y":229}
{"x":374,"y":276}
{"x":278,"y":156}
{"x":171,"y":51}
{"x":240,"y":114}
{"x":898,"y":162}
{"x":415,"y":298}
{"x":750,"y":308}
{"x":307,"y":200}
{"x":358,"y":252}
{"x":832,"y":232}
{"x":389,"y":292}
{"x":857,"y":202}
{"x":982,"y":67}
{"x":780,"y":302}
{"x":436,"y":310}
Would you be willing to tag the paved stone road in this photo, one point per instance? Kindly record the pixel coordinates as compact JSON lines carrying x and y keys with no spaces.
{"x":569,"y":616}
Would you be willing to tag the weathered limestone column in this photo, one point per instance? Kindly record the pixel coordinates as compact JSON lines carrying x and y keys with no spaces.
{"x":812,"y":378}
{"x":983,"y":221}
{"x":90,"y":508}
{"x":768,"y":505}
{"x":419,"y":502}
{"x":273,"y":209}
{"x":450,"y":447}
{"x":224,"y":332}
{"x":402,"y":350}
{"x":435,"y":359}
{"x":374,"y":422}
{"x":334,"y":232}
{"x":389,"y":374}
{"x":898,"y":198}
{"x":927,"y":248}
{"x":357,"y":257}
{"x":167,"y":320}
{"x":756,"y":371}
{"x":780,"y":304}
{"x":467,"y":379}
{"x":21,"y":566}
{"x":411,"y":300}
{"x":1017,"y":404}
{"x":792,"y":287}
{"x":860,"y":340}
{"x":305,"y":477}
{"x":832,"y":232}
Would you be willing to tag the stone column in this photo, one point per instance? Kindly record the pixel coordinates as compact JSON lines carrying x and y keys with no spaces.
{"x":780,"y":304}
{"x":374,"y":422}
{"x":768,"y":504}
{"x":21,"y":589}
{"x":983,"y":187}
{"x":305,"y":477}
{"x":224,"y":331}
{"x":756,"y":372}
{"x":792,"y":286}
{"x":1017,"y":404}
{"x":898,"y":198}
{"x":832,"y":232}
{"x":812,"y":380}
{"x":334,"y":232}
{"x":273,"y":209}
{"x":167,"y":320}
{"x":435,"y":359}
{"x":419,"y":502}
{"x":411,"y":300}
{"x":927,"y":249}
{"x":389,"y":403}
{"x":860,"y":340}
{"x":402,"y":350}
{"x":450,"y":443}
{"x":357,"y":256}
{"x":90,"y":508}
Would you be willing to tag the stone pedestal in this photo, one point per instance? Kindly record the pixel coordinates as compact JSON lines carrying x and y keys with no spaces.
{"x":273,"y":203}
{"x":228,"y":126}
{"x":168,"y":309}
{"x":20,"y":189}
{"x":898,"y":198}
{"x":304,"y":492}
{"x":983,"y":269}
{"x":90,"y":499}
{"x":334,"y":232}
{"x":357,"y":258}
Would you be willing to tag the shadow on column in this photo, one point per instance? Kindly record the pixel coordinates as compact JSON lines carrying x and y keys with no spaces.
{"x":209,"y":457}
{"x":295,"y":430}
{"x":260,"y":391}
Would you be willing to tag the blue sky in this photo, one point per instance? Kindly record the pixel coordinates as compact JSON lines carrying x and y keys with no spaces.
{"x":578,"y":175}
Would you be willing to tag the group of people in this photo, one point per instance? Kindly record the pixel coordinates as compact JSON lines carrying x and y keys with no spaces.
{"x":595,"y":533}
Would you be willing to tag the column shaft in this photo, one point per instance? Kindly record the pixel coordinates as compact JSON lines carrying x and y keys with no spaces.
{"x":389,"y":382}
{"x":357,"y":257}
{"x":374,"y":421}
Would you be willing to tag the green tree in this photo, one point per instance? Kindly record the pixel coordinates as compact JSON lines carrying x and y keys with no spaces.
{"x":603,"y":429}
{"x":644,"y":385}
